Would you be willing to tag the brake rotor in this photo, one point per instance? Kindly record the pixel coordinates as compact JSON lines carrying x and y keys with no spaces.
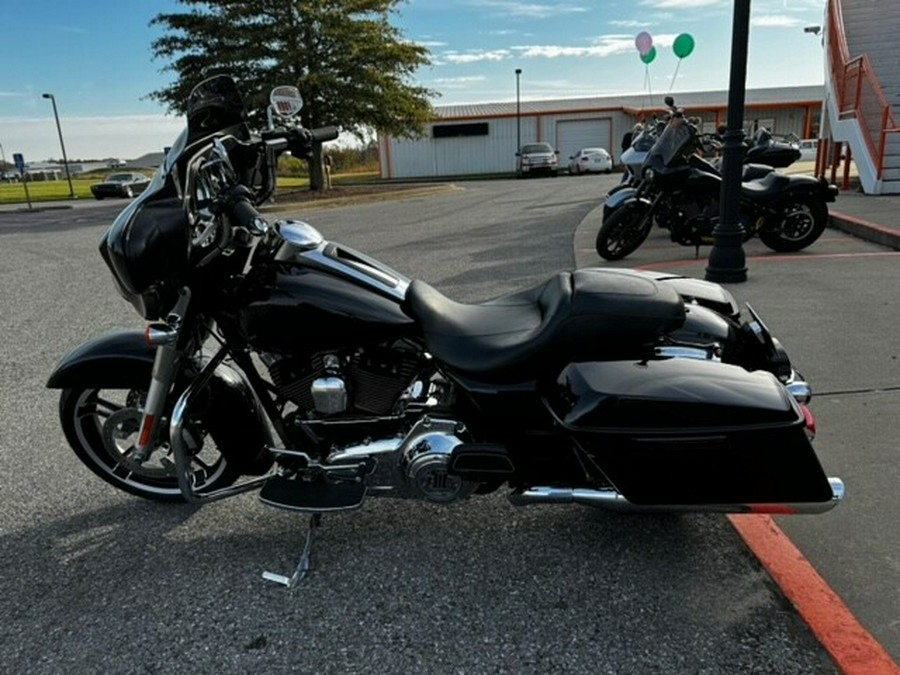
{"x":120,"y":434}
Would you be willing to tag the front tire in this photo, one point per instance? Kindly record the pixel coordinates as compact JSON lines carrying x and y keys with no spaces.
{"x":623,"y":231}
{"x":102,"y":426}
{"x":801,"y":222}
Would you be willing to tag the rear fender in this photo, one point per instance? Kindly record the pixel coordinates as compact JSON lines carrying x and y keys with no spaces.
{"x":231,"y":412}
{"x":802,"y":186}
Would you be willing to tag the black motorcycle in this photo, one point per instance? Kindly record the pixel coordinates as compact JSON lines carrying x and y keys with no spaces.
{"x":277,"y":361}
{"x":680,"y":190}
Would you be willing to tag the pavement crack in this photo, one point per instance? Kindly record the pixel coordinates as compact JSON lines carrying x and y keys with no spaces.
{"x":851,"y":392}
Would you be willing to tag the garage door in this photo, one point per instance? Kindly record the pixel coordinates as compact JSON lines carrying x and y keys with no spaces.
{"x":572,"y":135}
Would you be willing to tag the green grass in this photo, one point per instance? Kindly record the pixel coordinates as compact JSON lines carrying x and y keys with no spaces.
{"x":58,"y":190}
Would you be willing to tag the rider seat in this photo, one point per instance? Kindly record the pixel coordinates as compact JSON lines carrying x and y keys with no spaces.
{"x":589,"y":313}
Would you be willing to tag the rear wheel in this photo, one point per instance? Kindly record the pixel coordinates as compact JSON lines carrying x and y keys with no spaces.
{"x":102,"y":426}
{"x":623,"y":231}
{"x":802,"y":221}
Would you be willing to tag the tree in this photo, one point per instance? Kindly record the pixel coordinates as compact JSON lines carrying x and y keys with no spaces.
{"x":351,"y":65}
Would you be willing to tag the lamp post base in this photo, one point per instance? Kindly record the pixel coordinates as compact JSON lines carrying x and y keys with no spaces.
{"x":726,"y":259}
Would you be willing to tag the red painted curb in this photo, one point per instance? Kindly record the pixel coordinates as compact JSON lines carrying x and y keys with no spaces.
{"x":851,"y":646}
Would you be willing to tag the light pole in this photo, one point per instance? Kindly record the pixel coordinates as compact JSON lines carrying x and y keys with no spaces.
{"x":518,"y":114}
{"x":727,"y":261}
{"x":61,"y":144}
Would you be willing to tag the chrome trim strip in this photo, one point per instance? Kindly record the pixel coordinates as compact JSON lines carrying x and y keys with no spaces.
{"x":612,"y":499}
{"x":364,"y":270}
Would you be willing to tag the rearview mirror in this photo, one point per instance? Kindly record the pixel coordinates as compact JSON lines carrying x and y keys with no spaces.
{"x":286,"y":101}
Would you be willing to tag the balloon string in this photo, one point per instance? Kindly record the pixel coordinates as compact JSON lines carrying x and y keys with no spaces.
{"x":649,"y":87}
{"x":674,"y":75}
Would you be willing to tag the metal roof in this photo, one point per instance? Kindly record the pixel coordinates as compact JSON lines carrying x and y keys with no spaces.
{"x":701,"y":99}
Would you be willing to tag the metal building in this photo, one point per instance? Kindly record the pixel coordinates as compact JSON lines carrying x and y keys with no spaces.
{"x":481,"y":138}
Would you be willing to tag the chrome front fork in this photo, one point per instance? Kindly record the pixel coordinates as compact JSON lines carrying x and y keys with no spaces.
{"x":165,"y":337}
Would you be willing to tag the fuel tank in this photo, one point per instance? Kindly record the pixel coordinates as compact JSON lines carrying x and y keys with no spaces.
{"x":312,"y":310}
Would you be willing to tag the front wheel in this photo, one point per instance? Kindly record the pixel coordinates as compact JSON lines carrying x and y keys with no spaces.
{"x":623,"y":231}
{"x":102,"y":426}
{"x":800,"y":223}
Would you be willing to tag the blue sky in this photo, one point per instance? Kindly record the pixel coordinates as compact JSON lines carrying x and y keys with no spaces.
{"x":95,"y":58}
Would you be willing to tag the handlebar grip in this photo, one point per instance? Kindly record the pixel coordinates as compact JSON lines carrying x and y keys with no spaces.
{"x":244,"y":214}
{"x":323,"y":134}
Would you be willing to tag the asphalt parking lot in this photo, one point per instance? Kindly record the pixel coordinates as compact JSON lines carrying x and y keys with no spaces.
{"x":100,"y":581}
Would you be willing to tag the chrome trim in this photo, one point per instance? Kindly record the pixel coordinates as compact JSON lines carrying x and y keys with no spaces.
{"x":681,"y":352}
{"x":299,"y":234}
{"x":798,"y":388}
{"x":182,"y":456}
{"x":612,"y":499}
{"x":358,"y":267}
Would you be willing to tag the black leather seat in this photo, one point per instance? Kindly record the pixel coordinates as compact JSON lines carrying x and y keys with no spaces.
{"x":765,"y":188}
{"x":590,"y":313}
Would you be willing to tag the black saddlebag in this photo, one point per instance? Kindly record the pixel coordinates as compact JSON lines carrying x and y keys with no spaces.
{"x":684,"y":431}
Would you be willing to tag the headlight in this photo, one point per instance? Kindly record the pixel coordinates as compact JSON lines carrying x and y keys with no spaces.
{"x":649,"y":175}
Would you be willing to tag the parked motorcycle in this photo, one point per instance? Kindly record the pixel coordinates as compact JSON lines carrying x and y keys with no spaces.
{"x":277,"y":361}
{"x":680,"y":191}
{"x":762,"y":153}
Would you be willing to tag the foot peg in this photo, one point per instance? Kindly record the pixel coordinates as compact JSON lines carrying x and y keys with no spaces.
{"x":313,"y":496}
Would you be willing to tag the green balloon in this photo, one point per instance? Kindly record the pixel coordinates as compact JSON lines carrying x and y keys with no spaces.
{"x":649,"y":56}
{"x":683,"y":45}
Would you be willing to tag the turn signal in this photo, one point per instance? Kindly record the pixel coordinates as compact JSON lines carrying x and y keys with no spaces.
{"x":810,"y":422}
{"x":160,"y":334}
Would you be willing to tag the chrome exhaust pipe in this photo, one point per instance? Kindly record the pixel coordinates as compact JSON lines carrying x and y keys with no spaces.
{"x":612,"y":499}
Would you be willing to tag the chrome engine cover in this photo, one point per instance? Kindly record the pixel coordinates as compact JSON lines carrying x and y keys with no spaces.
{"x":413,"y":466}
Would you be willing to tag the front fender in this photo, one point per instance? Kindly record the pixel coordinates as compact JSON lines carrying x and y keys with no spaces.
{"x":116,"y":360}
{"x":231,"y":411}
{"x":619,"y":197}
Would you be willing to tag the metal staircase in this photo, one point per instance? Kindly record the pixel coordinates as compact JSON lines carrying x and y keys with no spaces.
{"x":862,"y":88}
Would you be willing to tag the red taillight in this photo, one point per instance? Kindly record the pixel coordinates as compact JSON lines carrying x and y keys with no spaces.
{"x":810,"y":422}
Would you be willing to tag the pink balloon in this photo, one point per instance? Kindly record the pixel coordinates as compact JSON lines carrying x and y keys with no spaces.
{"x":643,"y":42}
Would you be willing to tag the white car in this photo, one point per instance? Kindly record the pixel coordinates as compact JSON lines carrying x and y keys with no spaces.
{"x":590,"y":160}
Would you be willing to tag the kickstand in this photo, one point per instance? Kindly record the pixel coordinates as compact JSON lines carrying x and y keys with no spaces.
{"x":302,"y":566}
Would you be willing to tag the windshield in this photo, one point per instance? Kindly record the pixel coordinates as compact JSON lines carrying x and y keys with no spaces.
{"x":673,"y":142}
{"x":118,"y":177}
{"x":536,"y":147}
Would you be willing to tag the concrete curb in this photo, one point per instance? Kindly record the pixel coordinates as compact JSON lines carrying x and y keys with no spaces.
{"x":864,"y":229}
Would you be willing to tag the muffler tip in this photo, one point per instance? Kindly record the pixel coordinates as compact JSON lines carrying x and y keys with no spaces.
{"x":837,"y":489}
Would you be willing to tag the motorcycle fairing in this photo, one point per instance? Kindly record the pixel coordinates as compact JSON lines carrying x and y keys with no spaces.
{"x":679,"y":432}
{"x":591,"y":312}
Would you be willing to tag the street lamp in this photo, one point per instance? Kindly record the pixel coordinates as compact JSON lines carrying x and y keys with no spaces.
{"x":727,"y":262}
{"x":61,"y":144}
{"x":518,"y":114}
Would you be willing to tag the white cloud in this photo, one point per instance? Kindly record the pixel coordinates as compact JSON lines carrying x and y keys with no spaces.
{"x":531,"y":10}
{"x":460,"y":80}
{"x":476,"y":56}
{"x":775,"y":21}
{"x":629,"y":23}
{"x":683,"y":4}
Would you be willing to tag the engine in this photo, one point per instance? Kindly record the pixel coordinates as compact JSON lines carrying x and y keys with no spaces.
{"x":367,"y":381}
